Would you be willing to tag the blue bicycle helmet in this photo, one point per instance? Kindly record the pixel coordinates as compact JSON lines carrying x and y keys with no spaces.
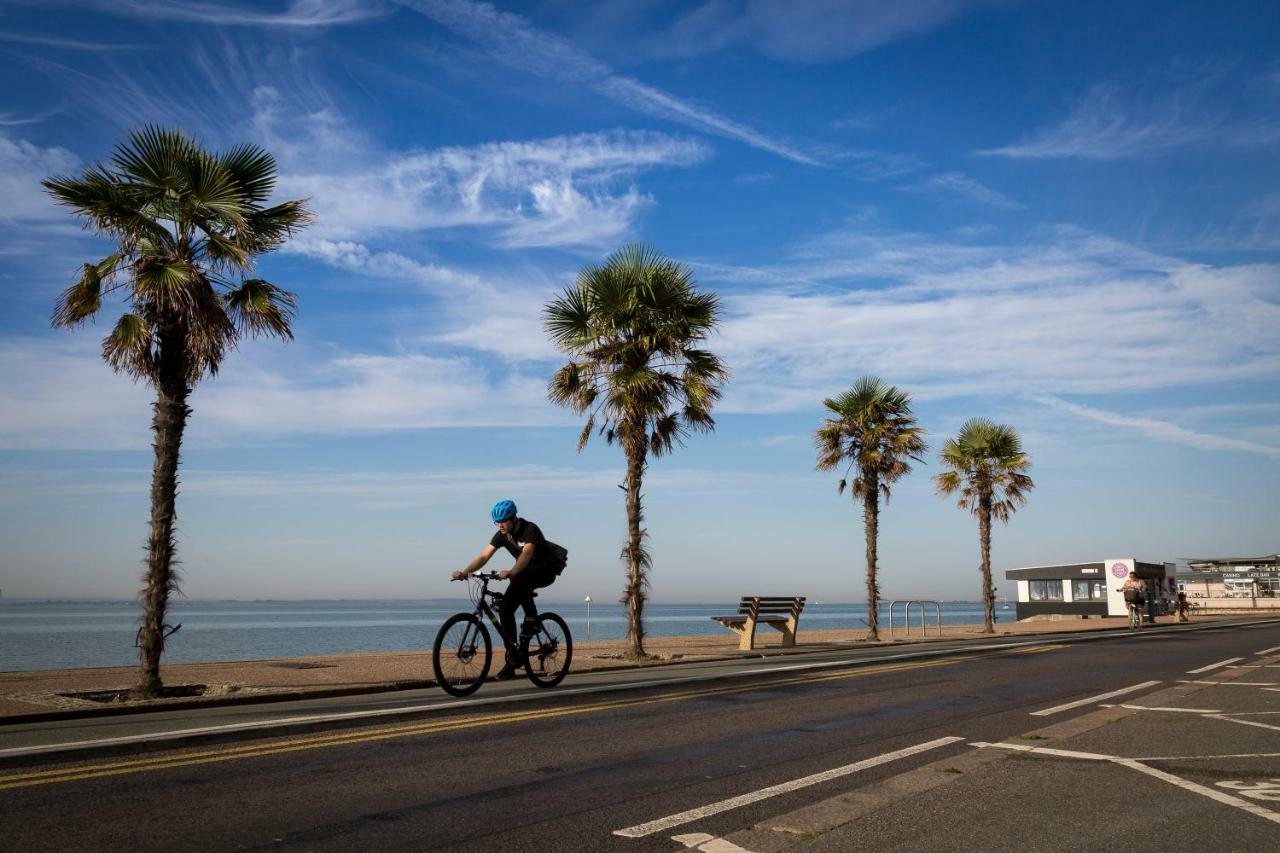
{"x":502,"y":511}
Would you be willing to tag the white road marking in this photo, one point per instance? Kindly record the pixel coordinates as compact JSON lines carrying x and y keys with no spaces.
{"x":1244,"y":722}
{"x":1231,"y":683}
{"x":1212,"y":666}
{"x":1134,"y":764}
{"x":1209,"y":757}
{"x":1067,"y":707}
{"x":1045,"y":750}
{"x":664,"y":823}
{"x":1268,"y":651}
{"x":1172,"y":710}
{"x":1211,"y":793}
{"x":708,"y":843}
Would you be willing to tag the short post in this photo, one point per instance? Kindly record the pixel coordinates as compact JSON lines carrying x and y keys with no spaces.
{"x":588,"y":600}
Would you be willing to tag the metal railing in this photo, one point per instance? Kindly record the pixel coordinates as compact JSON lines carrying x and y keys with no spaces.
{"x":906,"y":614}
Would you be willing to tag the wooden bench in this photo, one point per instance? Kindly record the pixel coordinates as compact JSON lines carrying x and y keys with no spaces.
{"x":780,"y":613}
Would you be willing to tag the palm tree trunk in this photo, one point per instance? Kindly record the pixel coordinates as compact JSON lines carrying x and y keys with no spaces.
{"x":637,"y":558}
{"x":168,"y":423}
{"x":984,"y":535}
{"x":871,"y":518}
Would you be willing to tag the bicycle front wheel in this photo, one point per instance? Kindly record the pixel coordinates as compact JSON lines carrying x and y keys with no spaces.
{"x":462,"y":654}
{"x":548,"y":652}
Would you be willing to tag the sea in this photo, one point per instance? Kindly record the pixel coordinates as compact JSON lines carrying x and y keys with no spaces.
{"x":61,"y":634}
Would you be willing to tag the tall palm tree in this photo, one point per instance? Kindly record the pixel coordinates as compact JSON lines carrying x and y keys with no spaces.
{"x":873,"y":433}
{"x":187,"y":225}
{"x":987,"y":467}
{"x":632,"y":329}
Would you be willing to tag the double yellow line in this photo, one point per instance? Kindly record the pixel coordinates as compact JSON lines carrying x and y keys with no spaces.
{"x":187,"y":759}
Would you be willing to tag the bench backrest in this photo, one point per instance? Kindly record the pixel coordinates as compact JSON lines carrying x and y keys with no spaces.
{"x":760,"y":606}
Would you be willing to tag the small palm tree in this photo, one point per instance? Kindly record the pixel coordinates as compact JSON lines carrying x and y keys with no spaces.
{"x":631,"y":328}
{"x":873,"y":433}
{"x":987,"y":467}
{"x":187,"y":226}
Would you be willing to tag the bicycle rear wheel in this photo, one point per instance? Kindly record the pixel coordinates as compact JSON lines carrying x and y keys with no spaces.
{"x":462,"y":654}
{"x":547,"y":653}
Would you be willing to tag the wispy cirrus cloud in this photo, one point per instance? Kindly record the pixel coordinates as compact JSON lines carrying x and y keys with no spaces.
{"x":511,"y":40}
{"x":1160,"y":430}
{"x":63,"y":43}
{"x":805,"y":30}
{"x":295,"y":13}
{"x":962,"y":186}
{"x":1110,"y":123}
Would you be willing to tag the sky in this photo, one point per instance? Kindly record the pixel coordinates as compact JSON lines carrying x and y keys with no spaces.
{"x":1060,"y":216}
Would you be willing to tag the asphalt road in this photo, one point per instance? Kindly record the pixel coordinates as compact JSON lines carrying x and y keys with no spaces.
{"x":837,"y":759}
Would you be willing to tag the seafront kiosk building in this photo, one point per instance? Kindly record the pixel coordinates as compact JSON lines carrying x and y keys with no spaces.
{"x":1087,"y":589}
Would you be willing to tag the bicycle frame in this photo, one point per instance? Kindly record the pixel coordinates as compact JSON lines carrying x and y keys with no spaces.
{"x":483,"y":607}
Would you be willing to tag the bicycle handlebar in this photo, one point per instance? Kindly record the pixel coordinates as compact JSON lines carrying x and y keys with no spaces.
{"x":484,"y":576}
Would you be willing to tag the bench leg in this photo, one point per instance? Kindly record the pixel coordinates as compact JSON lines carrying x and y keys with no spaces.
{"x":748,"y":641}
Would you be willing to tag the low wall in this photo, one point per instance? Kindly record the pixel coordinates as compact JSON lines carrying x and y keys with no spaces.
{"x":1234,"y":604}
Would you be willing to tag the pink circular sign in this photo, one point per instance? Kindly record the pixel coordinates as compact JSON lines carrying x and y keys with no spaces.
{"x":1120,"y":570}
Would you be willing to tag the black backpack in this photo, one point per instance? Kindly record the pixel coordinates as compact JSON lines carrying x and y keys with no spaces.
{"x":559,"y":556}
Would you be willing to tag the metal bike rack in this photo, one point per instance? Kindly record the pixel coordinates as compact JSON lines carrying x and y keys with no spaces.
{"x":906,"y":612}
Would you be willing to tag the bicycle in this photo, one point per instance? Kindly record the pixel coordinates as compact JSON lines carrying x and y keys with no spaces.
{"x":463,"y":650}
{"x":1135,"y":615}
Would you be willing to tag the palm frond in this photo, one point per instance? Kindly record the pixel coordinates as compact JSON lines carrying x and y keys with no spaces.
{"x":128,"y":348}
{"x":260,"y":308}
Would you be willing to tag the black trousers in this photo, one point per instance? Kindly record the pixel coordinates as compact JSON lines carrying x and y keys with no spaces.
{"x":520,"y":594}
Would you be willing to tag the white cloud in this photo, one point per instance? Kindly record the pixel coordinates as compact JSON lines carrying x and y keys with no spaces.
{"x":806,"y":30}
{"x":296,"y":13}
{"x":1108,"y":123}
{"x":512,"y":41}
{"x":1160,"y":430}
{"x":1079,"y":315}
{"x":59,"y":394}
{"x":22,"y":167}
{"x":956,"y":184}
{"x":560,"y":191}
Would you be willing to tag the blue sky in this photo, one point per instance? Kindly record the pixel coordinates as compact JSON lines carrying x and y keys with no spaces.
{"x":1065,"y":217}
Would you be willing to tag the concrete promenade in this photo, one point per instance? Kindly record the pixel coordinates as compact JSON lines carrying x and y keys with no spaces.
{"x":39,"y":693}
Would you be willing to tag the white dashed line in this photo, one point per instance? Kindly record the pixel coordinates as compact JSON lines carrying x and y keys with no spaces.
{"x":708,"y":843}
{"x":1212,"y":666}
{"x":1076,"y":704}
{"x":1231,"y":683}
{"x":1172,"y":710}
{"x":1244,"y":722}
{"x":1268,"y":651}
{"x":664,"y":823}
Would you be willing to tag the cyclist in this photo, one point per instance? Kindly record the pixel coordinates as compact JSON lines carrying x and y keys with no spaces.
{"x":539,"y":562}
{"x":1135,"y":595}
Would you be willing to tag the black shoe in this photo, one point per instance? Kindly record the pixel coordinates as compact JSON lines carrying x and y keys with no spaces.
{"x":506,"y":673}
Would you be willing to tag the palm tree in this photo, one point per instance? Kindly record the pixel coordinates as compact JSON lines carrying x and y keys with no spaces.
{"x":631,"y":328}
{"x":187,"y":226}
{"x":987,"y":467}
{"x":874,"y":433}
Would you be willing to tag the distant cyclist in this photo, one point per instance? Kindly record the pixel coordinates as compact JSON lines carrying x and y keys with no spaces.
{"x":1135,"y":596}
{"x":538,"y":563}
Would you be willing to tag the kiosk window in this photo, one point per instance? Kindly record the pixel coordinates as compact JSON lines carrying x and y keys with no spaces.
{"x":1045,"y":590}
{"x":1089,"y":590}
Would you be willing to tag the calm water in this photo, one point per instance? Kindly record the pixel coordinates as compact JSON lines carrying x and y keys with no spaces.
{"x":37,"y":634}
